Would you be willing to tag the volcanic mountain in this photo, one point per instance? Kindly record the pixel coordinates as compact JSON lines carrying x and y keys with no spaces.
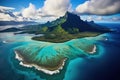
{"x":71,"y":21}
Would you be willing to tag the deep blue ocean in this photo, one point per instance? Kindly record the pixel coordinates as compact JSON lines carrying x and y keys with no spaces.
{"x":104,"y":66}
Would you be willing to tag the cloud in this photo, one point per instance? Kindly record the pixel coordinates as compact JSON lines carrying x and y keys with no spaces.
{"x":51,"y":10}
{"x":29,"y":12}
{"x":5,"y":9}
{"x":99,"y":7}
{"x":115,"y":19}
{"x":55,"y":7}
{"x":100,"y":18}
{"x":6,"y":13}
{"x":5,"y":17}
{"x":26,"y":14}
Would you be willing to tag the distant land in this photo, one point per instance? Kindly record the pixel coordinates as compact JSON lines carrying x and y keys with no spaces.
{"x":3,"y":23}
{"x":13,"y":29}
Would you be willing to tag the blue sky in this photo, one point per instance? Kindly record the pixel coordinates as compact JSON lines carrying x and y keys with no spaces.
{"x":97,"y":10}
{"x":18,"y":4}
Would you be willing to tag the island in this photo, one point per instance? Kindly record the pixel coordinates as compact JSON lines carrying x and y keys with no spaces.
{"x":65,"y":28}
{"x":13,"y":29}
{"x":63,"y":40}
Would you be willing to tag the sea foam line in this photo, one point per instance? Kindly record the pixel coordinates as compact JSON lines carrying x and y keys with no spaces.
{"x":93,"y":50}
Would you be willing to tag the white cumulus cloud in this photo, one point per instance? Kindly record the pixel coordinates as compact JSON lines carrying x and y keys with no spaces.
{"x":56,"y":7}
{"x":6,"y":13}
{"x":99,"y":7}
{"x":6,"y":17}
{"x":51,"y":10}
{"x":29,"y":12}
{"x":6,"y":9}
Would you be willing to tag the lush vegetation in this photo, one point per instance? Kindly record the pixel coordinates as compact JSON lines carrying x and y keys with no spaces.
{"x":65,"y":28}
{"x":58,"y":34}
{"x":66,"y":37}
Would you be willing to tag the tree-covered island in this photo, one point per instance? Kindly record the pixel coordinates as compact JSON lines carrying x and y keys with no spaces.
{"x":65,"y":28}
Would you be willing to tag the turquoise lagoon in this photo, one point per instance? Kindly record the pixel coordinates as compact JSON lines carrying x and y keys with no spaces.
{"x":77,"y":57}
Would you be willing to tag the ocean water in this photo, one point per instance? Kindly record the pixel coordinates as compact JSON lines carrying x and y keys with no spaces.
{"x":103,"y":66}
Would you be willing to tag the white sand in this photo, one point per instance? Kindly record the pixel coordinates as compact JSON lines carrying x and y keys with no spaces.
{"x":93,"y":50}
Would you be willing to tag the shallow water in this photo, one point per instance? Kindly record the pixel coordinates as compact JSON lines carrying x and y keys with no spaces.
{"x":103,"y":66}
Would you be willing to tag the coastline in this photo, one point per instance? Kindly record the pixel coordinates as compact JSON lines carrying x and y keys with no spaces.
{"x":38,"y":67}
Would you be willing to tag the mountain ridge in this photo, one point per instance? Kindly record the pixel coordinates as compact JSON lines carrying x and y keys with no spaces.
{"x":70,"y":21}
